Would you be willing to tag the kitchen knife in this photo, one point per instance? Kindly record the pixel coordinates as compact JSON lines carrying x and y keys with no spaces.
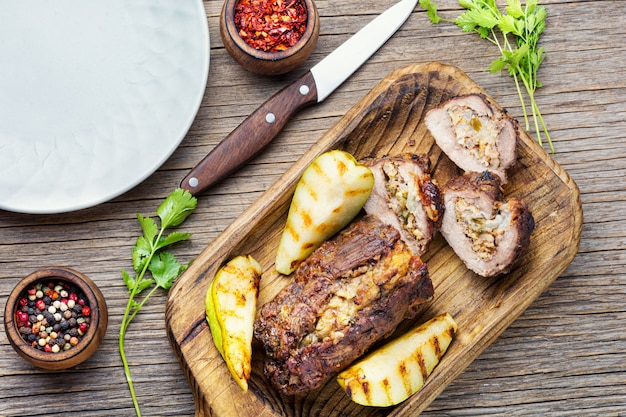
{"x":258,"y":129}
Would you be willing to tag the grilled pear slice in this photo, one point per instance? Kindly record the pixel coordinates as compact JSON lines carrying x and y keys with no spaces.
{"x":394,"y":372}
{"x":230,"y":309}
{"x":330,"y":193}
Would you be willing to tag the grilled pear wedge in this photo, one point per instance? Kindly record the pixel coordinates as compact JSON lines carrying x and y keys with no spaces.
{"x":330,"y":193}
{"x":394,"y":372}
{"x":230,"y":309}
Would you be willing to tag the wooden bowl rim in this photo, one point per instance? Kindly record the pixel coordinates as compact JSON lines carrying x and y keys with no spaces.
{"x":309,"y":35}
{"x":98,"y":323}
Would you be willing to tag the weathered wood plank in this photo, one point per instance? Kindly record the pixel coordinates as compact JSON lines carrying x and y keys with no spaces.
{"x":563,"y":357}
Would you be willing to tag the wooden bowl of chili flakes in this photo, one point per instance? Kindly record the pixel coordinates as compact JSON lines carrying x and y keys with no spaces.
{"x":269,"y":37}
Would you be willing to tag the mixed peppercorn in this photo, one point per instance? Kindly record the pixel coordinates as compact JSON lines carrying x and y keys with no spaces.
{"x":53,"y":316}
{"x":271,"y":25}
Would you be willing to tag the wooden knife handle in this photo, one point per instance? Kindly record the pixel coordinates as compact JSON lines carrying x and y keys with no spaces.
{"x":252,"y":135}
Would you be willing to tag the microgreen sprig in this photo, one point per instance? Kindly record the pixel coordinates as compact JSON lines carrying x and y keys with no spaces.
{"x":521,"y":57}
{"x":149,"y":256}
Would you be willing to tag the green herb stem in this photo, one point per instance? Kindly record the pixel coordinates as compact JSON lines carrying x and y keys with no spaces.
{"x":149,"y":256}
{"x":522,"y":57}
{"x":128,"y":317}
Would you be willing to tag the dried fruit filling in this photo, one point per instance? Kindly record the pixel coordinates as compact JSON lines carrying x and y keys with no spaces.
{"x":483,"y":232}
{"x":271,"y":25}
{"x":53,"y":316}
{"x":477,"y":133}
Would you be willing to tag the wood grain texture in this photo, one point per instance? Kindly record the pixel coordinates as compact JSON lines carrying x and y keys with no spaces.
{"x":387,"y":121}
{"x":564,"y":356}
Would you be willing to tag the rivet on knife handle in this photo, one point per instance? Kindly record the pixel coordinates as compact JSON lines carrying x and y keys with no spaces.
{"x":252,"y":135}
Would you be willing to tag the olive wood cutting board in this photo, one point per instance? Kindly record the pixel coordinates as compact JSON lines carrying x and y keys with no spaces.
{"x":389,"y":120}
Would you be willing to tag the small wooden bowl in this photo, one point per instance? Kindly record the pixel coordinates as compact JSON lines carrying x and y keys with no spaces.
{"x":268,"y":63}
{"x":85,"y":347}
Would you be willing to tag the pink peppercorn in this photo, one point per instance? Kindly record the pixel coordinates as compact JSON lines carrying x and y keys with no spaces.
{"x":22,"y":317}
{"x":86,"y":311}
{"x":83,"y":327}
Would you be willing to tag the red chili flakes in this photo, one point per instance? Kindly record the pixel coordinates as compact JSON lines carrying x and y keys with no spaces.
{"x":271,"y":25}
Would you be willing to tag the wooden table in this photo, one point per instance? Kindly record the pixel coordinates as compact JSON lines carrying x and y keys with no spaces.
{"x":564,"y":356}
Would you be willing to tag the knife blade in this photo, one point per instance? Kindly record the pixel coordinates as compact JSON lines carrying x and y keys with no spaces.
{"x":260,"y":127}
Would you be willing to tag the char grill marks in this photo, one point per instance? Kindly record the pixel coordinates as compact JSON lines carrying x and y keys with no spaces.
{"x":352,"y":291}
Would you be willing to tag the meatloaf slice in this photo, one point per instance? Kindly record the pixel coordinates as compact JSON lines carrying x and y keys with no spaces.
{"x":405,"y":197}
{"x":487,"y":233}
{"x":475,"y":134}
{"x":352,"y":291}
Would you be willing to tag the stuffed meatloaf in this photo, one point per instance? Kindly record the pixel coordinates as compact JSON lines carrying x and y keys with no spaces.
{"x":352,"y":291}
{"x":486,"y":232}
{"x":475,"y":134}
{"x":405,"y":197}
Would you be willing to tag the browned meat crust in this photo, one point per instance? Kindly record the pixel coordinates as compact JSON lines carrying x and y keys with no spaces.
{"x":488,"y":234}
{"x":405,"y":197}
{"x":475,"y":134}
{"x":352,"y":291}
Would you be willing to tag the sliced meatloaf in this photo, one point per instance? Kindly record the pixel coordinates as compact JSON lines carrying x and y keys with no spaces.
{"x":487,"y":233}
{"x":475,"y":134}
{"x":405,"y":197}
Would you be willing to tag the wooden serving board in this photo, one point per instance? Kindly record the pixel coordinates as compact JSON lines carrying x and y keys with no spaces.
{"x":388,"y":121}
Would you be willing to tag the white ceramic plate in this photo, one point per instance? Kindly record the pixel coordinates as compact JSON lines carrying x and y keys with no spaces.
{"x":94,"y":96}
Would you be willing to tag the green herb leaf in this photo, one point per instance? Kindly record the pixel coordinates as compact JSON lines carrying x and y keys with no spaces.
{"x":149,"y":227}
{"x":431,"y":10}
{"x":172,"y":238}
{"x":473,"y":18}
{"x":497,"y":65}
{"x":128,"y":280}
{"x":165,"y":268}
{"x":509,"y":24}
{"x":131,"y":283}
{"x":468,"y":4}
{"x":514,"y":8}
{"x":176,"y":208}
{"x":141,"y":253}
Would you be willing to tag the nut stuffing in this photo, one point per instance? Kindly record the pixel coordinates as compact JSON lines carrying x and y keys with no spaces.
{"x":477,"y":133}
{"x":482,"y":231}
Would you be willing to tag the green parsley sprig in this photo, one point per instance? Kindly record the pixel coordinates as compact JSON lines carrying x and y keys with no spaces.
{"x":149,"y":256}
{"x":521,"y":55}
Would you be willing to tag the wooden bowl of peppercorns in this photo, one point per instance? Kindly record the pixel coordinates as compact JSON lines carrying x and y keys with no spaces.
{"x":269,"y":37}
{"x":55,"y":318}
